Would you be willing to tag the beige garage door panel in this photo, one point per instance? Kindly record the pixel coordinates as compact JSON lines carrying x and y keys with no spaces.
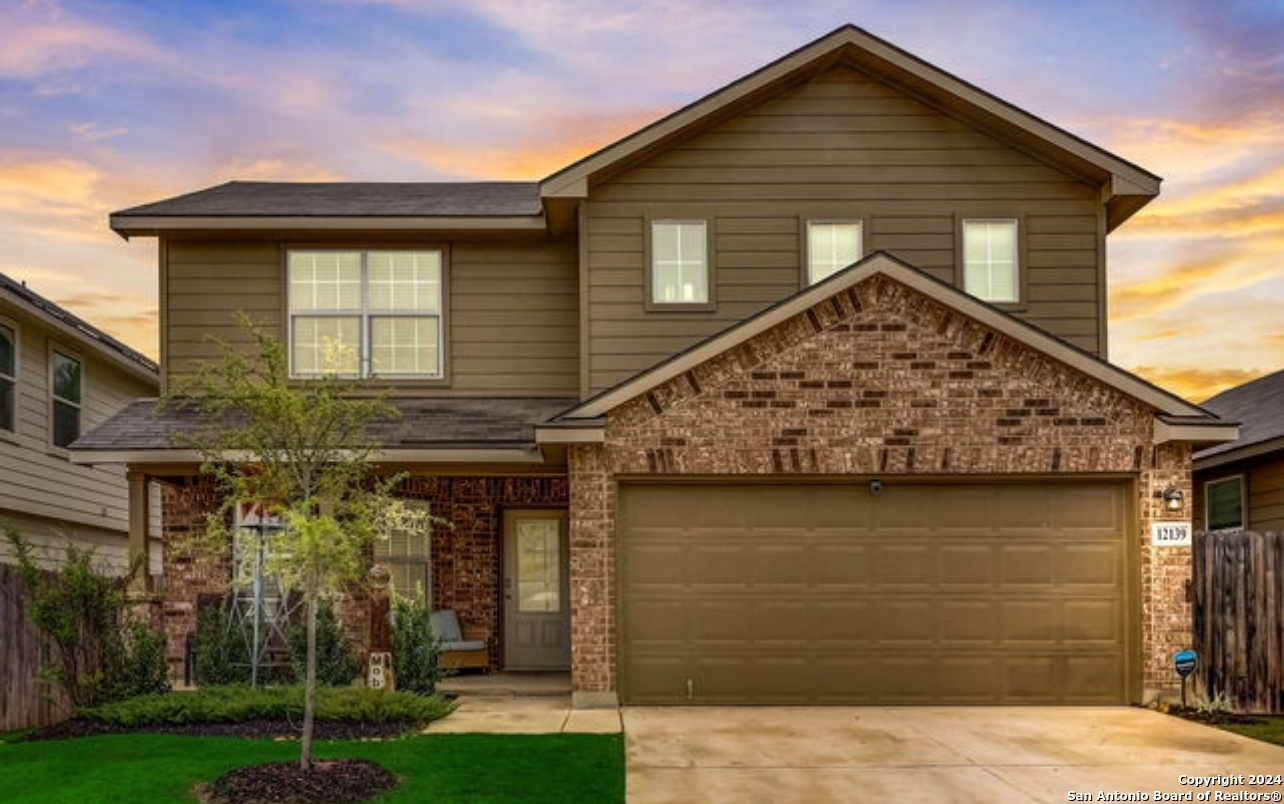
{"x":826,"y":593}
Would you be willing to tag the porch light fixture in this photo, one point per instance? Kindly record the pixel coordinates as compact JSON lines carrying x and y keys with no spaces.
{"x":1174,"y":500}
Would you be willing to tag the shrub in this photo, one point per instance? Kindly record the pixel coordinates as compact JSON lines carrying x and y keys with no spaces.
{"x":81,"y":612}
{"x":414,"y":646}
{"x":221,"y":655}
{"x":135,"y":663}
{"x":235,"y":704}
{"x":337,"y":665}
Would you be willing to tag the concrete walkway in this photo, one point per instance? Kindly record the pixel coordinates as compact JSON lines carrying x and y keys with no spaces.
{"x":542,"y":714}
{"x":992,"y":755}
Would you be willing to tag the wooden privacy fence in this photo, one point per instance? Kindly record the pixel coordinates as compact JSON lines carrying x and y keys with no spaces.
{"x":1239,"y":618}
{"x":24,"y":700}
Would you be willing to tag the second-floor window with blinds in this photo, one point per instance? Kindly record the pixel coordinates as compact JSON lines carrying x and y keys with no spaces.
{"x":831,"y":247}
{"x":679,"y":262}
{"x":990,"y":265}
{"x":366,"y":313}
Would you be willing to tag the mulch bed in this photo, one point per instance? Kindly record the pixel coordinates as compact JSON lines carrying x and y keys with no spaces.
{"x":1213,"y":717}
{"x":344,"y":781}
{"x":251,"y":730}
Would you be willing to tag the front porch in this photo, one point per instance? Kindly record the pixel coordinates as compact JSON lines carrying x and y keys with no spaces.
{"x":514,"y":599}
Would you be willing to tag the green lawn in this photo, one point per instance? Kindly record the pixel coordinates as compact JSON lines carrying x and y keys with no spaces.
{"x":443,"y":769}
{"x":1267,"y":728}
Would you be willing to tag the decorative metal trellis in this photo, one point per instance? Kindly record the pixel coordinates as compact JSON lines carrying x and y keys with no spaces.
{"x":260,"y":609}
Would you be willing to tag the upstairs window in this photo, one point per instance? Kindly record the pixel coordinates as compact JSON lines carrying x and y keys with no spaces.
{"x":365,"y":313}
{"x":679,"y":262}
{"x":1224,"y":503}
{"x":64,"y":382}
{"x":831,"y":247}
{"x":8,"y":378}
{"x":990,"y":260}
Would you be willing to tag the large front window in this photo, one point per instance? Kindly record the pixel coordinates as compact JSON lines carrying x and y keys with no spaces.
{"x":365,"y":313}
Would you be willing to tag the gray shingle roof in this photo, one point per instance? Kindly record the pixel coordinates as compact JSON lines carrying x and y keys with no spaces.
{"x":349,"y":199}
{"x":1259,"y":408}
{"x":426,"y":423}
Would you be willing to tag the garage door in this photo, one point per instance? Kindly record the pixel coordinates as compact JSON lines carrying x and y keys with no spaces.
{"x":921,"y":593}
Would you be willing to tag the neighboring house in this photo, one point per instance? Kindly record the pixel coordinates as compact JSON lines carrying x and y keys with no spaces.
{"x":693,"y":453}
{"x":60,"y":377}
{"x":1240,"y":485}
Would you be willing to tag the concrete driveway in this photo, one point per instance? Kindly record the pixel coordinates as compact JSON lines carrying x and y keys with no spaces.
{"x":841,"y":754}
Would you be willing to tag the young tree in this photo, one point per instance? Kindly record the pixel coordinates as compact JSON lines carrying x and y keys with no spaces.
{"x":302,"y":449}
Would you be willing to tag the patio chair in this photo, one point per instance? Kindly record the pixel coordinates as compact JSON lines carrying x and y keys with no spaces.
{"x":460,"y":648}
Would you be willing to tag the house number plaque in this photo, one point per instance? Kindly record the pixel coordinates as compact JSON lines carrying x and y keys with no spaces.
{"x":1170,"y":534}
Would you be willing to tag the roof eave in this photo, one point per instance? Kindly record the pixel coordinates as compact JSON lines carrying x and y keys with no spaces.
{"x":129,"y":366}
{"x":154,"y":225}
{"x":1240,"y":453}
{"x":524,"y":454}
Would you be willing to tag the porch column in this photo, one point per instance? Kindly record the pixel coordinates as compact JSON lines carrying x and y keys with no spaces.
{"x":139,"y":517}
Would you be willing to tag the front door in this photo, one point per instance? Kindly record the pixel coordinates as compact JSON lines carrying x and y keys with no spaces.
{"x":537,"y":612}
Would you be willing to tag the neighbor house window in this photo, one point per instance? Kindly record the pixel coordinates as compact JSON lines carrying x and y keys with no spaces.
{"x":365,"y":313}
{"x":831,"y":247}
{"x":990,"y":266}
{"x":1224,"y":503}
{"x":8,"y":378}
{"x":679,"y":262}
{"x":65,"y":381}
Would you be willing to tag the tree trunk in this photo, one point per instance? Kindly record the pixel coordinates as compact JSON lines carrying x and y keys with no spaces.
{"x":310,"y":682}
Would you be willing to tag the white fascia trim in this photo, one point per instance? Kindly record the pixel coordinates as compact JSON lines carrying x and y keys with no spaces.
{"x":570,"y":435}
{"x":144,"y":225}
{"x":1205,"y":433}
{"x":882,"y":264}
{"x":514,"y":455}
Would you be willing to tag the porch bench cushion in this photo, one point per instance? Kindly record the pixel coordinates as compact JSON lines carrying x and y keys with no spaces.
{"x":464,"y":644}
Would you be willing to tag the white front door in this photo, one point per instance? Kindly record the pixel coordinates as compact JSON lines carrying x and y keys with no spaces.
{"x":537,"y":612}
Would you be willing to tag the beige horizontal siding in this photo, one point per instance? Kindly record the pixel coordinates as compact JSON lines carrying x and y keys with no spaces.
{"x":512,"y":312}
{"x":38,"y":480}
{"x":840,"y":146}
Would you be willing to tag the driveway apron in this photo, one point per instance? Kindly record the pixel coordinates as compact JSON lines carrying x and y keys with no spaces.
{"x":781,"y":755}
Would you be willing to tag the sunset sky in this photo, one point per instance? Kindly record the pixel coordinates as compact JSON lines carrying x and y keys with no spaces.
{"x":106,"y":104}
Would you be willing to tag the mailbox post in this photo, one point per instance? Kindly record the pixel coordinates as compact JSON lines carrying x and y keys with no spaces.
{"x":1184,"y":661}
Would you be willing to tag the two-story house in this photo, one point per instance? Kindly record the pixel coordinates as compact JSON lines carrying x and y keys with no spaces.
{"x":795,"y":395}
{"x":61,"y":377}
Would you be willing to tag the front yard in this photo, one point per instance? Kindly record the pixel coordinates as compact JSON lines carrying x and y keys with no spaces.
{"x":444,"y":769}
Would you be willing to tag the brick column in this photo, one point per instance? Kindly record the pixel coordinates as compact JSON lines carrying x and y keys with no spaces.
{"x":1166,"y":572}
{"x":593,"y":625}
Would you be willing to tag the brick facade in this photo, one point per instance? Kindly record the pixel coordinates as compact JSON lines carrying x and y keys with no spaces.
{"x":466,"y":556}
{"x":877,"y":380}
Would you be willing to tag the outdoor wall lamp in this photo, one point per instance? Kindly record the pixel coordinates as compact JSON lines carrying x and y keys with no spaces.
{"x":1174,"y":499}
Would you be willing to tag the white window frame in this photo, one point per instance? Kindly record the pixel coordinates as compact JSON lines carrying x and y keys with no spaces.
{"x":654,"y":299}
{"x":366,"y":316}
{"x":12,"y":327}
{"x":386,"y":552}
{"x":1243,"y":502}
{"x":809,"y":271}
{"x":55,"y":400}
{"x":1017,"y":259}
